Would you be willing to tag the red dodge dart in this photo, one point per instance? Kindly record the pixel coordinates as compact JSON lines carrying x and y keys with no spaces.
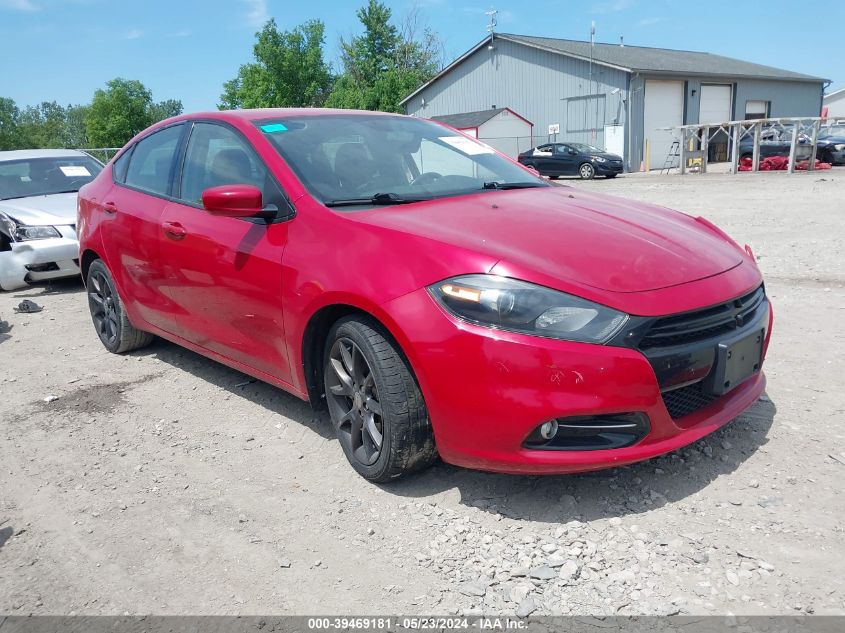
{"x":435,"y":296}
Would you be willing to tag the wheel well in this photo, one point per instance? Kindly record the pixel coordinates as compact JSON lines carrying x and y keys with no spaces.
{"x":314,"y":344}
{"x":88,"y":257}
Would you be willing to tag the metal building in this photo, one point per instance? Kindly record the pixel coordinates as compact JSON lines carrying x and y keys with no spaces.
{"x":499,"y":127}
{"x":613,"y":96}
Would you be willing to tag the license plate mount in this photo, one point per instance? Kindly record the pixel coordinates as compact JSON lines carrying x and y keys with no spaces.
{"x":736,"y":361}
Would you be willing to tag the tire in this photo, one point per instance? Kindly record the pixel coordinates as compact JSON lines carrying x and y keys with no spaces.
{"x":116,"y":332}
{"x":375,"y":404}
{"x":586,"y":171}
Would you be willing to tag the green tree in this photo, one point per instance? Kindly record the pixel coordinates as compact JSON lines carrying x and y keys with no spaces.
{"x":289,"y":70}
{"x":76,"y":135}
{"x":385,"y":63}
{"x":165,"y":109}
{"x":9,"y":133}
{"x":118,"y":113}
{"x":42,"y":126}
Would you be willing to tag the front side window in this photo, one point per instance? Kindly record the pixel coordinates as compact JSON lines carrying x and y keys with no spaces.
{"x":342,"y":158}
{"x":46,"y":176}
{"x":152,"y":161}
{"x":217,"y":155}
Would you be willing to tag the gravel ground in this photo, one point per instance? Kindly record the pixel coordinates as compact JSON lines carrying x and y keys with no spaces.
{"x":162,"y":482}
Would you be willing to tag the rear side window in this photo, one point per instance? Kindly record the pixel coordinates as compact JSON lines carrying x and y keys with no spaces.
{"x":120,"y":166}
{"x":152,"y":159}
{"x":217,"y":155}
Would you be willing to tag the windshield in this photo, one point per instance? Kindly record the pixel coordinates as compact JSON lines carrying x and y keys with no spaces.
{"x":586,"y":149}
{"x":45,"y":176}
{"x":378,"y":159}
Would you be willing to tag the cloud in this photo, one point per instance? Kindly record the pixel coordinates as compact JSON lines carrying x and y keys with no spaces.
{"x":613,"y":6}
{"x":134,"y":34}
{"x":182,"y":33}
{"x":257,"y":13}
{"x":650,"y":21}
{"x":18,"y":5}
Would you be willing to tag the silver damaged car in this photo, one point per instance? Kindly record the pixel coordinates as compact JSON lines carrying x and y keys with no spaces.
{"x":38,"y":190}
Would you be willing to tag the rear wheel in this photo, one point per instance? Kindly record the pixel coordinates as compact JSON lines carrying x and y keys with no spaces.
{"x":111,"y":323}
{"x":374,"y":402}
{"x":586,"y":171}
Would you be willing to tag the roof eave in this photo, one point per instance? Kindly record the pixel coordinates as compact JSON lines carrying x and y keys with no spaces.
{"x":675,"y":73}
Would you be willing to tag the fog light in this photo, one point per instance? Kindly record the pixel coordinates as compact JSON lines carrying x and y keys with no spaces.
{"x":548,"y":430}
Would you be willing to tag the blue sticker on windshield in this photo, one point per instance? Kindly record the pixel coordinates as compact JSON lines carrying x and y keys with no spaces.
{"x":274,"y":127}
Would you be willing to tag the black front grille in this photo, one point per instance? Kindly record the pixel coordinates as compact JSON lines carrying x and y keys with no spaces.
{"x":703,"y":324}
{"x":686,"y":400}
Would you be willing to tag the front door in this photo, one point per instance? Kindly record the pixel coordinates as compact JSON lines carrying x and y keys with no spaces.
{"x":566,"y":159}
{"x":225,"y":274}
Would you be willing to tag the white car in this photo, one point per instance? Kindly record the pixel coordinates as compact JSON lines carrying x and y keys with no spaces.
{"x":38,"y":190}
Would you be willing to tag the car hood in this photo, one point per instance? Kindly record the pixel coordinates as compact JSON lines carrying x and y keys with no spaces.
{"x":832,"y":140}
{"x":56,"y":210}
{"x":562,"y":233}
{"x":607,"y":155}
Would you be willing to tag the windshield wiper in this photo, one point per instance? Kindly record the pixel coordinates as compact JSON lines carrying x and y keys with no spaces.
{"x":379,"y":198}
{"x":493,"y":184}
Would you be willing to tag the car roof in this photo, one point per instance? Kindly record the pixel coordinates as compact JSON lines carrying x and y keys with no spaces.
{"x":272,"y":113}
{"x":25,"y":154}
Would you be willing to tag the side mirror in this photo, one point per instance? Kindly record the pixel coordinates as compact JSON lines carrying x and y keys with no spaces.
{"x":233,"y":201}
{"x":571,"y":151}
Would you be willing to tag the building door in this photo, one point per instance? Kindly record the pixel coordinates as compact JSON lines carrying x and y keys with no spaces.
{"x":715,"y":105}
{"x":664,"y":107}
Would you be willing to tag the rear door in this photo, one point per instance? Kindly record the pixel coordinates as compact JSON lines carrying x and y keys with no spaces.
{"x":225,"y":274}
{"x":131,"y":231}
{"x":544,"y":160}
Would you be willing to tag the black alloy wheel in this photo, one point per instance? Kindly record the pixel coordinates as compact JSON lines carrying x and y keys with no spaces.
{"x":354,"y":403}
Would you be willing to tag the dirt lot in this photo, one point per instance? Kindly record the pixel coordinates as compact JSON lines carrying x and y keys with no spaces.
{"x":161,"y":482}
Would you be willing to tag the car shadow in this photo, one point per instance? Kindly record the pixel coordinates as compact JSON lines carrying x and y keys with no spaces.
{"x":5,"y":535}
{"x":64,"y":286}
{"x":628,"y":490}
{"x":276,"y":401}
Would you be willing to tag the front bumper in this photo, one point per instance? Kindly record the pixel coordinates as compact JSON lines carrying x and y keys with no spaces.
{"x":488,"y":390}
{"x":608,"y":167}
{"x":39,"y":260}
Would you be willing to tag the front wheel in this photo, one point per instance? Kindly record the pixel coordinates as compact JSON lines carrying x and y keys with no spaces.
{"x":116,"y":332}
{"x":587,"y":171}
{"x":374,"y":402}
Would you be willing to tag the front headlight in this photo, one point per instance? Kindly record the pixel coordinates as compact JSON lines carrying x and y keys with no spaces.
{"x":599,"y":159}
{"x":839,"y":147}
{"x":509,"y":304}
{"x":23,"y":232}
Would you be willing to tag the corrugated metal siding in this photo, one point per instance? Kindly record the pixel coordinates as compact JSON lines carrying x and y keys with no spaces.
{"x":534,"y":83}
{"x":537,"y":84}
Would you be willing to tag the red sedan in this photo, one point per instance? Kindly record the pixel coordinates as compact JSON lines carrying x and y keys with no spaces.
{"x":435,"y":296}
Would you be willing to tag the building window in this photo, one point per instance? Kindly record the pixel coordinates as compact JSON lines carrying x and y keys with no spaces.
{"x":757,"y":109}
{"x":584,"y":114}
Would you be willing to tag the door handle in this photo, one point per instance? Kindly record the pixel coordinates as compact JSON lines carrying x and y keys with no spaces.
{"x":109,"y":207}
{"x":174,"y":230}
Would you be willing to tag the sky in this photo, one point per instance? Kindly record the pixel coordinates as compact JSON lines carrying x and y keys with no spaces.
{"x":63,"y":50}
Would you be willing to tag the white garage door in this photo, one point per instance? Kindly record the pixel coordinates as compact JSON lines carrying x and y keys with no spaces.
{"x":664,"y":107}
{"x":715,"y":105}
